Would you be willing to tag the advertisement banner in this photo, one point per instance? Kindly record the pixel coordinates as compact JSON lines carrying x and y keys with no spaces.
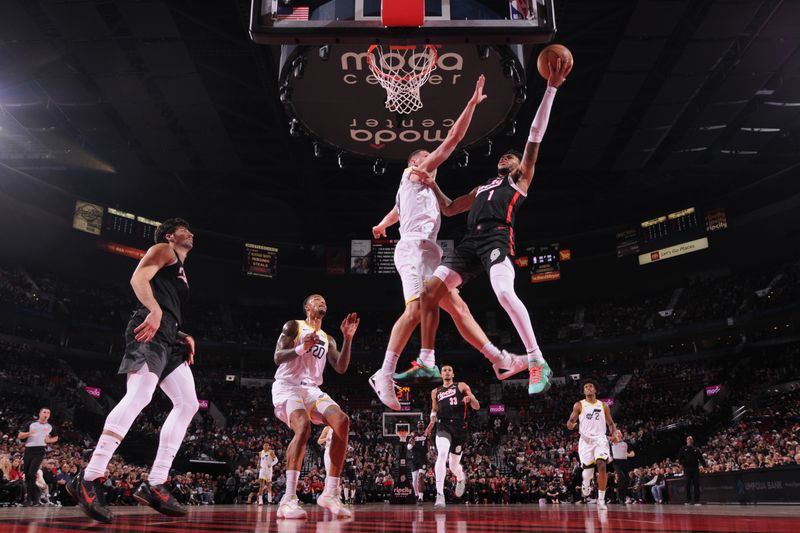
{"x":673,"y":251}
{"x":94,"y":392}
{"x":765,"y":485}
{"x":120,"y":249}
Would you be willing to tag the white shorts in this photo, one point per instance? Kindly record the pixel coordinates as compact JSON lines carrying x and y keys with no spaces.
{"x":415,"y":260}
{"x":288,"y":398}
{"x":590,"y":449}
{"x":265,"y":474}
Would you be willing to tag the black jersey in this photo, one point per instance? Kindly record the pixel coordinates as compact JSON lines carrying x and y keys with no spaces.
{"x":496,"y":202}
{"x":420,"y":445}
{"x":451,"y":403}
{"x":171,"y":289}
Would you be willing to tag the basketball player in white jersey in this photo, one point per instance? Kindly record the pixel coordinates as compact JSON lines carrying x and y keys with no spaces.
{"x":301,"y":354}
{"x":489,"y":243}
{"x":324,"y":440}
{"x":416,"y":257}
{"x":266,"y":460}
{"x":593,"y":418}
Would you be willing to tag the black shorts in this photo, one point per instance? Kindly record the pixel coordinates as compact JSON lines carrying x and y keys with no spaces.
{"x":163,"y":354}
{"x":486,"y":245}
{"x":418,"y":462}
{"x":455,"y":431}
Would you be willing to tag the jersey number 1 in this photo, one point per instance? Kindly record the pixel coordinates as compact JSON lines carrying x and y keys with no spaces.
{"x":490,"y":195}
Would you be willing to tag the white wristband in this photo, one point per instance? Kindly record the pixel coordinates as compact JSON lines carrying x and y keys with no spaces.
{"x":433,"y":415}
{"x":300,"y":350}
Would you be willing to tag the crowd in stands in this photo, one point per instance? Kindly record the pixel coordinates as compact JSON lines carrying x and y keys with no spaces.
{"x":526,"y":456}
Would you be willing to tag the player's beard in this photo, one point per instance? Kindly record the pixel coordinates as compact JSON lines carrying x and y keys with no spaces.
{"x":321,"y":312}
{"x":503,"y":171}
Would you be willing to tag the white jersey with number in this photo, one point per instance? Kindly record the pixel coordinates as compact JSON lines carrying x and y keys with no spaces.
{"x":305,"y":369}
{"x":418,"y":208}
{"x":267,"y":461}
{"x":592,"y":420}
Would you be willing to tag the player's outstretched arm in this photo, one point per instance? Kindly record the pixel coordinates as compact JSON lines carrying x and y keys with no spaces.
{"x":573,"y":418}
{"x":457,"y":130}
{"x":558,"y":73}
{"x":391,"y":218}
{"x":340,"y":360}
{"x":450,"y":207}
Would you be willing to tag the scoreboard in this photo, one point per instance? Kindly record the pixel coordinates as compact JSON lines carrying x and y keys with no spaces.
{"x":260,"y":260}
{"x":127,"y":228}
{"x":671,"y":235}
{"x":377,"y":256}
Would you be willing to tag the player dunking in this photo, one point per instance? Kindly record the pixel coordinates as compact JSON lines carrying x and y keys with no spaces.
{"x":266,"y":460}
{"x":157,"y":353}
{"x":449,"y":414}
{"x":594,"y":420}
{"x":489,"y":243}
{"x":418,"y":445}
{"x":302,"y":351}
{"x":416,"y":257}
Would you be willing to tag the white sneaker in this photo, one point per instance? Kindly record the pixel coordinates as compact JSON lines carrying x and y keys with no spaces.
{"x":260,"y":501}
{"x":291,"y":509}
{"x":461,"y":486}
{"x":332,"y":503}
{"x":601,"y":505}
{"x":439,"y":501}
{"x":383,"y":385}
{"x":509,"y":364}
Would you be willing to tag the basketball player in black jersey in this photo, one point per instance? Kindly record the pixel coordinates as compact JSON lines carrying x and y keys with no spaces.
{"x":418,"y":444}
{"x":449,"y":412}
{"x":157,"y":353}
{"x":489,"y":243}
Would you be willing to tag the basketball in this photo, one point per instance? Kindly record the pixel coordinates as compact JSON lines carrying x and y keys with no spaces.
{"x":550,"y":54}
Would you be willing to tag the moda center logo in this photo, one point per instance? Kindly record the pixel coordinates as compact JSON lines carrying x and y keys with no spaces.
{"x":340,"y":102}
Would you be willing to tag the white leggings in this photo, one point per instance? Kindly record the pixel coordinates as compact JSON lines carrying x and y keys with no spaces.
{"x":442,"y":456}
{"x":501,"y":276}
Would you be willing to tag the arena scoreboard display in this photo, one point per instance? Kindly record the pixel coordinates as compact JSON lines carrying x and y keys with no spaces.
{"x":260,"y":260}
{"x":544,"y":261}
{"x":671,"y":235}
{"x":120,"y":232}
{"x":377,"y":256}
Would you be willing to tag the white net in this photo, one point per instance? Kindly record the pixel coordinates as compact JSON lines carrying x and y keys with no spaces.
{"x":402,"y":70}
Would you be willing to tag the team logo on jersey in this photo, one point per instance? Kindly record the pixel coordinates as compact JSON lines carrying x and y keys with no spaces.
{"x":182,"y":276}
{"x":491,"y":185}
{"x":494,"y":255}
{"x":446,"y":394}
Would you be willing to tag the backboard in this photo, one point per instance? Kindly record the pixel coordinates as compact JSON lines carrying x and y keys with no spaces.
{"x":359,"y":22}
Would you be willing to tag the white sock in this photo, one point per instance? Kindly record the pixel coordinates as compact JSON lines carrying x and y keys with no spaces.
{"x":291,"y":484}
{"x":158,"y":474}
{"x":106,"y":446}
{"x":535,"y":356}
{"x":491,"y":352}
{"x":390,"y":362}
{"x":427,"y":357}
{"x":331,"y":485}
{"x":414,"y":482}
{"x":601,"y":495}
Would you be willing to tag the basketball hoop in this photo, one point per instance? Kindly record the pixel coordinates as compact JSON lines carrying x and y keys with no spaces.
{"x":402,"y":434}
{"x":402,"y":70}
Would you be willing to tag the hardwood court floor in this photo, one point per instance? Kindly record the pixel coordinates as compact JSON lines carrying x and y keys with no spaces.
{"x":382,"y":518}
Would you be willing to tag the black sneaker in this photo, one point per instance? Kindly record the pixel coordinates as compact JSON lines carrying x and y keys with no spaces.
{"x":91,"y":498}
{"x":159,"y":498}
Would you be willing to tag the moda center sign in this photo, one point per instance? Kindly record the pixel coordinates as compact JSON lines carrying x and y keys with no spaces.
{"x":338,"y":101}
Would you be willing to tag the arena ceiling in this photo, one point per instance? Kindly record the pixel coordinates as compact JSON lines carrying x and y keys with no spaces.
{"x":163,"y":107}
